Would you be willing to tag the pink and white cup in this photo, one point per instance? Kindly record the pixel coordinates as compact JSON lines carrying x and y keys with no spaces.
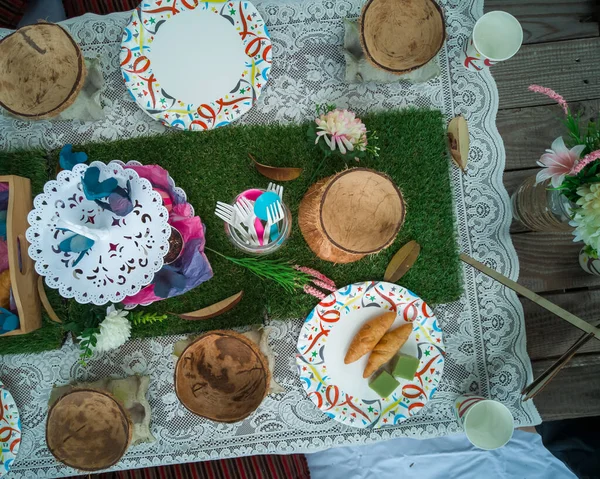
{"x":497,"y":36}
{"x":488,"y":424}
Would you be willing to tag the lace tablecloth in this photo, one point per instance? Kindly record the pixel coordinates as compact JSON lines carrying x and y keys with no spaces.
{"x":484,"y":331}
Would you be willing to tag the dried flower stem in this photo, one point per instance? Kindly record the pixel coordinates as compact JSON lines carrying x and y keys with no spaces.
{"x":586,"y":160}
{"x":551,"y":94}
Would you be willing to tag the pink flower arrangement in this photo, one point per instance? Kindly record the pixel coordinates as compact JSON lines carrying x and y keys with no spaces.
{"x":339,"y":132}
{"x":341,"y":129}
{"x":551,"y":94}
{"x":558,"y":162}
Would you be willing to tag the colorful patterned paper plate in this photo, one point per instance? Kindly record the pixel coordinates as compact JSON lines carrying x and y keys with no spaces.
{"x":10,"y":430}
{"x":339,"y":389}
{"x":195,"y":66}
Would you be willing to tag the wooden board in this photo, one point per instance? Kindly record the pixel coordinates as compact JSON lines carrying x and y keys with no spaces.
{"x":550,"y":20}
{"x":549,"y":262}
{"x":549,"y":336}
{"x":572,"y":68}
{"x":528,"y":132}
{"x":23,"y":277}
{"x":574,"y":392}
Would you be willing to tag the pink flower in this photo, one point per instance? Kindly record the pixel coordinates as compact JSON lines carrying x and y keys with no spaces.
{"x":316,"y":274}
{"x":558,"y":162}
{"x":314,"y":292}
{"x":551,"y":94}
{"x":341,"y":129}
{"x":586,"y":160}
{"x":324,"y":285}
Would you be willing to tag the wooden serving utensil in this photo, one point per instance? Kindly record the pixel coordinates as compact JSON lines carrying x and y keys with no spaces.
{"x":590,"y":331}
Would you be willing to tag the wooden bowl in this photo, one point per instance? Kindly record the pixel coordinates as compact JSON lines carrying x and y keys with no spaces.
{"x":42,"y":71}
{"x":222,"y":376}
{"x":351,"y":214}
{"x":399,"y":36}
{"x":88,"y":430}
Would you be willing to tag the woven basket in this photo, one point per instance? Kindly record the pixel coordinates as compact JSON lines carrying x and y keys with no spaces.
{"x":42,"y":71}
{"x":222,"y":376}
{"x":351,"y":214}
{"x":399,"y":36}
{"x":88,"y":429}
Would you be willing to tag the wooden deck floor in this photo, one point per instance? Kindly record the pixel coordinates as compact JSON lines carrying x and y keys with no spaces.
{"x":561,"y":51}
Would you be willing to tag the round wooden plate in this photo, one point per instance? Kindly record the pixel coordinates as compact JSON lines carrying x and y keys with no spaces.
{"x":351,"y":214}
{"x":399,"y":36}
{"x":88,"y":430}
{"x":41,"y":71}
{"x":222,"y":376}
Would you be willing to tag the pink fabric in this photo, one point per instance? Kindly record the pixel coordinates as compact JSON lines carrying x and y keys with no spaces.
{"x":191,"y":229}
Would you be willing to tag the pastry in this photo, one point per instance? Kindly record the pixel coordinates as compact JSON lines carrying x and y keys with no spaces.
{"x":387,"y":346}
{"x":368,"y":336}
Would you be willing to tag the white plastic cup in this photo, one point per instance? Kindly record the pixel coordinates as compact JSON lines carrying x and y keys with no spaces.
{"x":488,"y":424}
{"x":497,"y":36}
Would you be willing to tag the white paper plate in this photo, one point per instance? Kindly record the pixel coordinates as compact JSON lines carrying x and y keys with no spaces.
{"x":339,"y":389}
{"x":10,"y":430}
{"x":195,"y":66}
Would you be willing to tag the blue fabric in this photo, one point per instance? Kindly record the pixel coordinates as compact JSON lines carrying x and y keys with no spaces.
{"x":445,"y":458}
{"x":48,"y":10}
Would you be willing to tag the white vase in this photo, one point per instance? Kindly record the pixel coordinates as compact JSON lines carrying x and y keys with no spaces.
{"x":588,"y":264}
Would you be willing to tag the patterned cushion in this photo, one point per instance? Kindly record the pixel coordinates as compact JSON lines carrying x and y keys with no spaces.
{"x":74,"y":8}
{"x":11,"y":12}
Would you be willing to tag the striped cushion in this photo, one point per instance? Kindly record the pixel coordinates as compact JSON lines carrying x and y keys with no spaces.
{"x":293,"y":466}
{"x":11,"y":11}
{"x":74,"y":8}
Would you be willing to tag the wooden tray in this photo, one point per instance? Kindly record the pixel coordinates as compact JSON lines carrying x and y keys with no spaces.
{"x":23,"y":277}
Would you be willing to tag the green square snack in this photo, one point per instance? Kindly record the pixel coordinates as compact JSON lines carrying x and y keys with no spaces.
{"x":406,"y":366}
{"x":384,"y":384}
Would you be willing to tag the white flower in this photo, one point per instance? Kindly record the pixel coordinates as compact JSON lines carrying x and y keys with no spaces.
{"x":115,"y":330}
{"x":587,"y":216}
{"x":341,"y":129}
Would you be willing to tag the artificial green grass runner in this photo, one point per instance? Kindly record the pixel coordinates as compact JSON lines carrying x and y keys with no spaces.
{"x":214,"y":166}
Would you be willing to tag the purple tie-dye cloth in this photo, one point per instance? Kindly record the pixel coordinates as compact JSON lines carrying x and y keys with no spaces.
{"x":192,"y":267}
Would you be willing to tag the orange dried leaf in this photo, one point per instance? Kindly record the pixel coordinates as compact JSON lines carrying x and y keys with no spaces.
{"x":276,"y":173}
{"x":402,"y":261}
{"x":214,"y":309}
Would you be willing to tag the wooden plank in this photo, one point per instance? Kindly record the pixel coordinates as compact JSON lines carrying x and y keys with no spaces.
{"x":528,"y":132}
{"x":572,"y":68}
{"x":574,"y":392}
{"x":548,"y":336}
{"x":549,"y":262}
{"x":550,"y":20}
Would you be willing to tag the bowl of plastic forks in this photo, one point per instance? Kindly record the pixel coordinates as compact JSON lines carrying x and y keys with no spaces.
{"x":257,"y":221}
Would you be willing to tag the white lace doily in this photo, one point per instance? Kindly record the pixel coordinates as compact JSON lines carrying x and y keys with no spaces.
{"x":127,"y":250}
{"x":484,"y":331}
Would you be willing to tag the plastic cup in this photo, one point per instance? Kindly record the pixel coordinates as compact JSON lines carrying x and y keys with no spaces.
{"x":497,"y":36}
{"x":488,"y":424}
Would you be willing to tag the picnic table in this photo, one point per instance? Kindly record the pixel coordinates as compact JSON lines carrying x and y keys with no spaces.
{"x":561,"y":51}
{"x":309,"y":41}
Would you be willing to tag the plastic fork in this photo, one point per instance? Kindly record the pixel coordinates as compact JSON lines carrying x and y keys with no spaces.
{"x":228,"y":214}
{"x":277,"y":189}
{"x":245,"y":211}
{"x":275,"y":214}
